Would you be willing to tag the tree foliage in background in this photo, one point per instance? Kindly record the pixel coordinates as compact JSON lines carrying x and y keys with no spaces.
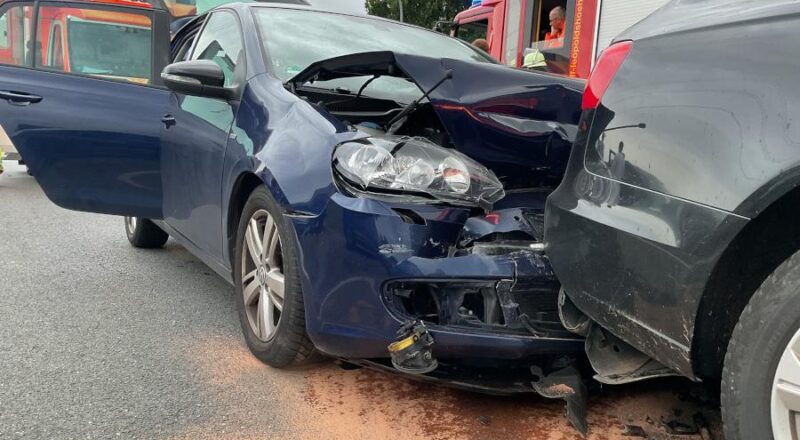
{"x":423,"y":13}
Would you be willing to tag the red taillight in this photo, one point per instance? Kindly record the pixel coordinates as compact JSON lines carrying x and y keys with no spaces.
{"x":602,"y":74}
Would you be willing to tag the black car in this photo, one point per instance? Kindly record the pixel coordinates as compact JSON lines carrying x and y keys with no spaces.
{"x":675,"y":231}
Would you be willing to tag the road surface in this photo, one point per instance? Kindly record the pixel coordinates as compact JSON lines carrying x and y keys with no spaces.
{"x":101,"y":340}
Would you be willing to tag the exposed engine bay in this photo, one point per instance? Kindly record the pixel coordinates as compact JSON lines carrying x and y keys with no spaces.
{"x":519,"y":124}
{"x":482,"y":145}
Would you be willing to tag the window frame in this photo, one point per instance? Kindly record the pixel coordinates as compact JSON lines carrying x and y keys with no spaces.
{"x":57,"y":26}
{"x":160,"y":56}
{"x":149,"y":13}
{"x":239,"y":68}
{"x":472,"y":23}
{"x":4,"y":8}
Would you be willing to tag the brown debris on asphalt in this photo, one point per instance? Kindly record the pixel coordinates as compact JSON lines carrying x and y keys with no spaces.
{"x":559,"y":388}
{"x":634,"y":431}
{"x":322,"y":402}
{"x":369,"y":404}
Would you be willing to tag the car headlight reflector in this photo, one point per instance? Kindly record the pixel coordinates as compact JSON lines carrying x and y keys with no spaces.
{"x":417,"y":169}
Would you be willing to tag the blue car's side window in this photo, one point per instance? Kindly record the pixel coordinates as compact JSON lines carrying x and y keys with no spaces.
{"x":221,"y":42}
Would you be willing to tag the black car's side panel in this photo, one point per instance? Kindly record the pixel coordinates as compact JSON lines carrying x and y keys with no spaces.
{"x":696,"y":136}
{"x":711,"y":122}
{"x":635,"y":261}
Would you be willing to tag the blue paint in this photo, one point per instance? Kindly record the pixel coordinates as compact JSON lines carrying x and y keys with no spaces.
{"x":100,"y":146}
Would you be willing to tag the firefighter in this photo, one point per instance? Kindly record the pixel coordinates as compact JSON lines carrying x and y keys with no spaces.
{"x":558,"y":17}
{"x":481,"y":44}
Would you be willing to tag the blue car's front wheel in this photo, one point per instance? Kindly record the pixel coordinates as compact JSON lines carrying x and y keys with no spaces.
{"x":266,"y":272}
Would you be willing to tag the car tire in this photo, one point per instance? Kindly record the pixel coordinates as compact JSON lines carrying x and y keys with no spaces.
{"x":764,"y":350}
{"x":143,"y":233}
{"x":274,"y":327}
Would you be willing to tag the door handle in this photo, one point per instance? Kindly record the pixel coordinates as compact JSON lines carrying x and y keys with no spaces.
{"x":168,"y":121}
{"x":19,"y":98}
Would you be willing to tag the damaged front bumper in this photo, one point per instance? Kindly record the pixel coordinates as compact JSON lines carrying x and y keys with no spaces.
{"x":486,"y":296}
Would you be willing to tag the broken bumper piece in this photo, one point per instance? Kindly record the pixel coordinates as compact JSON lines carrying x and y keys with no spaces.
{"x":484,"y":295}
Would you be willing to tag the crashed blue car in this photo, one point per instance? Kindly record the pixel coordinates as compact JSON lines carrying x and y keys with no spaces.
{"x":374,"y":191}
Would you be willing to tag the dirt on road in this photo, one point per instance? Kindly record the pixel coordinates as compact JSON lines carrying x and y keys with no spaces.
{"x":325,"y":401}
{"x":371,"y":404}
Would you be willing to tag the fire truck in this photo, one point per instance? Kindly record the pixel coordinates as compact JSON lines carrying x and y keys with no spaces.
{"x":515,"y":30}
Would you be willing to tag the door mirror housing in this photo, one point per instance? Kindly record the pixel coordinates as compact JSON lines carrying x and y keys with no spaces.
{"x":197,"y":78}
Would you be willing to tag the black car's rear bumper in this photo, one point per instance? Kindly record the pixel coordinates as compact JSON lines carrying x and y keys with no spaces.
{"x":634,"y":260}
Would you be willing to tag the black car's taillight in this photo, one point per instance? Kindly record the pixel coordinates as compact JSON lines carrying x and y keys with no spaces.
{"x":603,"y":73}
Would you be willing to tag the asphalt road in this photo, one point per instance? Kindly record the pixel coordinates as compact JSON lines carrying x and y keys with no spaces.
{"x":101,"y":340}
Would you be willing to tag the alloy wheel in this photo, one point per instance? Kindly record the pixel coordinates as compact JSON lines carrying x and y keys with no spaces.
{"x":130,"y":224}
{"x":785,"y":400}
{"x":262,"y":275}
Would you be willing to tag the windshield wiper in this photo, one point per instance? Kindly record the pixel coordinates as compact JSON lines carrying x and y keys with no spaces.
{"x":358,"y":95}
{"x":401,"y":117}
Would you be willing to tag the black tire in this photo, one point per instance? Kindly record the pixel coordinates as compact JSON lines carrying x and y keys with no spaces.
{"x":289,"y":345}
{"x":143,"y":233}
{"x":765,"y":328}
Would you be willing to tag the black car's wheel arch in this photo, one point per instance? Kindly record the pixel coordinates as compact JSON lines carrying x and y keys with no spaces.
{"x":760,"y":247}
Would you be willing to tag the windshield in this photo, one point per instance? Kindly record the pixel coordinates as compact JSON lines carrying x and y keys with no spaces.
{"x":98,"y":48}
{"x":296,"y":38}
{"x":470,"y":32}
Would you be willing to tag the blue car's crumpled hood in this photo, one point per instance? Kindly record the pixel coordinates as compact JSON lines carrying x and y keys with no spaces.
{"x":520,"y":124}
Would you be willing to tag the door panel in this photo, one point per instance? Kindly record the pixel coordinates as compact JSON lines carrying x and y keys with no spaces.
{"x":194,"y":151}
{"x":93,"y":145}
{"x":196,"y":139}
{"x":84,"y":121}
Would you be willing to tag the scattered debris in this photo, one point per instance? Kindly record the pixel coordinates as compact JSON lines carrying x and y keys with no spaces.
{"x":566,"y":384}
{"x":677,"y":427}
{"x":634,"y":431}
{"x":412,"y":353}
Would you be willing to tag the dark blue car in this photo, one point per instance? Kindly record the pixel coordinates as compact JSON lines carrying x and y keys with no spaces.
{"x":352,"y":177}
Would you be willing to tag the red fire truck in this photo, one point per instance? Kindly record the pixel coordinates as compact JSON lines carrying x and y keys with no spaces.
{"x":515,"y":29}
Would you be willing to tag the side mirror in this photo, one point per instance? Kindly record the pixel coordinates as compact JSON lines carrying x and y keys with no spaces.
{"x":197,"y":78}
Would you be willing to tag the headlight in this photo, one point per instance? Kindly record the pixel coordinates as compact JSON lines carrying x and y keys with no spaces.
{"x":417,"y":169}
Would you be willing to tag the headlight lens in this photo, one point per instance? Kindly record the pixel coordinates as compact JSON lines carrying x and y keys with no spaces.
{"x":417,"y":169}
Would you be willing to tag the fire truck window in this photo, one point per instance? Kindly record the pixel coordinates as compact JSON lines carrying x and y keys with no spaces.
{"x":544,"y":31}
{"x":4,"y":31}
{"x":547,"y":51}
{"x":15,"y":34}
{"x":104,"y":43}
{"x":55,"y":54}
{"x":470,"y":32}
